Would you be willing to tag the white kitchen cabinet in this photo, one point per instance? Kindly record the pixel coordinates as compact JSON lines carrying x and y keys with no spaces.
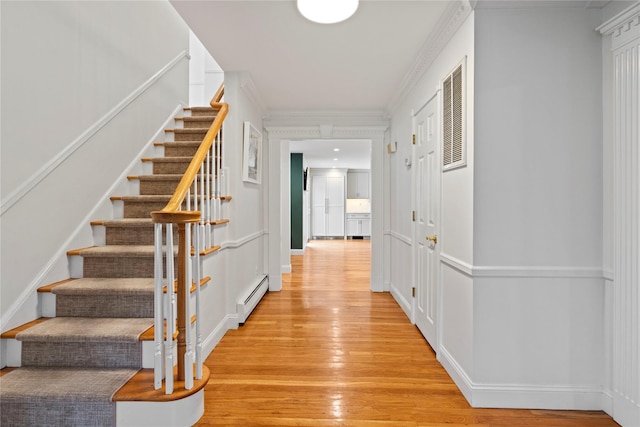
{"x":327,"y":206}
{"x":358,"y":185}
{"x":358,"y":225}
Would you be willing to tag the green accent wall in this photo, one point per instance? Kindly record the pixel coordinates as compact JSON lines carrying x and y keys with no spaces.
{"x":297,"y":189}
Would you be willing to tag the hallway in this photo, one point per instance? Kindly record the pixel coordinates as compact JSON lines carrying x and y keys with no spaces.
{"x":326,"y":351}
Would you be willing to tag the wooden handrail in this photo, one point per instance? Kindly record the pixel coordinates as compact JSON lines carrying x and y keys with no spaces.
{"x":187,"y":225}
{"x":169,"y":214}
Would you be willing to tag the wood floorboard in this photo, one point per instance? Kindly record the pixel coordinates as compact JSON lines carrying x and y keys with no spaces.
{"x":326,"y":351}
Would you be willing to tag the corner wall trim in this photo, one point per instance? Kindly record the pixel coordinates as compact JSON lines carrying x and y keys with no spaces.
{"x":29,"y":184}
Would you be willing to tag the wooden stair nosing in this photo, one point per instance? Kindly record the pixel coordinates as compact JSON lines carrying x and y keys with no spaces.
{"x":149,"y":334}
{"x":11,"y":333}
{"x":140,"y":388}
{"x":49,"y":288}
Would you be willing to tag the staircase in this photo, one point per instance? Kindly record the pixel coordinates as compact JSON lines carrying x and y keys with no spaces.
{"x":90,"y":360}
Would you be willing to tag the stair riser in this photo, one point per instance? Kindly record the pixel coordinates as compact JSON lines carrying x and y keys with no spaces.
{"x":170,"y":167}
{"x":197,"y":124}
{"x":102,"y":267}
{"x":135,"y":235}
{"x":180,"y":150}
{"x":112,"y":306}
{"x":203,"y":112}
{"x":139,"y":209}
{"x":158,"y":188}
{"x":162,"y":188}
{"x":189,"y":135}
{"x":82,"y":354}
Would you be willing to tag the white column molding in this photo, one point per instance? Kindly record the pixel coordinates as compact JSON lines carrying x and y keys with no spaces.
{"x":623,"y":38}
{"x":277,"y":136}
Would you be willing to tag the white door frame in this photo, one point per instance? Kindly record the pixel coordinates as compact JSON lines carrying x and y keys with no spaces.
{"x":278,"y":138}
{"x":435,"y":97}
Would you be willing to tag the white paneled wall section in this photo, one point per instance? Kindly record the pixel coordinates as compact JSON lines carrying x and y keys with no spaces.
{"x":622,"y":38}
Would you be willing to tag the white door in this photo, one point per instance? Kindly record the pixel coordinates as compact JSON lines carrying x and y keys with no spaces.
{"x":427,"y":203}
{"x":335,"y":206}
{"x":319,"y":205}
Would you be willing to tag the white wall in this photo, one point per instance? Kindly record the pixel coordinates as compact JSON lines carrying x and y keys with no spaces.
{"x":245,"y":234}
{"x":456,"y":236}
{"x":538,"y":287}
{"x":65,"y":66}
{"x":522,"y":317}
{"x":205,"y":75}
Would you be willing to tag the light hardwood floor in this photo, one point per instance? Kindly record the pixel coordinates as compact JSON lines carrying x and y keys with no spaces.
{"x":325,"y":351}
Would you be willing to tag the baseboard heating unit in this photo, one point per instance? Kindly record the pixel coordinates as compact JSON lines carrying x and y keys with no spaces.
{"x":249,"y":301}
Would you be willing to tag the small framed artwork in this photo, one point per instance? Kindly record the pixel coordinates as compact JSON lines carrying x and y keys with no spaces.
{"x":252,"y":157}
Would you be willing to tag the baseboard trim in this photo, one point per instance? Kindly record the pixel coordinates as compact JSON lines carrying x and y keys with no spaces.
{"x":212,"y":340}
{"x":405,"y":305}
{"x":525,"y":396}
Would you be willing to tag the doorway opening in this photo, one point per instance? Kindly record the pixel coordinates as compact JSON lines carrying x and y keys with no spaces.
{"x":333,"y":201}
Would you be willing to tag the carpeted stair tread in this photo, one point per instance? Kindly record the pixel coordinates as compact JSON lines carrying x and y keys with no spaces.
{"x":60,"y":396}
{"x":106,"y":286}
{"x":117,"y":251}
{"x":147,"y":198}
{"x":86,"y":329}
{"x":105,"y":297}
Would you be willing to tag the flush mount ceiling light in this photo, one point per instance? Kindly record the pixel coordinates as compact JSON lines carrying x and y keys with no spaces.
{"x":327,"y":11}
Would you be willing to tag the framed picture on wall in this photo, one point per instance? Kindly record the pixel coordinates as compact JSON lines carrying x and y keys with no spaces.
{"x":251,"y":164}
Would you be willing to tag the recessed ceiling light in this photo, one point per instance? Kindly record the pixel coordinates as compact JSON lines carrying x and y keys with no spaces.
{"x":336,"y":149}
{"x":335,"y":159}
{"x":327,"y":11}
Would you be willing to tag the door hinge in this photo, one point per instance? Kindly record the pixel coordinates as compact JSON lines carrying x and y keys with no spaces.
{"x":413,"y":216}
{"x":414,"y":139}
{"x":413,"y":292}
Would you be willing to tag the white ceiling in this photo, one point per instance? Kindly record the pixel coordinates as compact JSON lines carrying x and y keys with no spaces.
{"x":352,"y":154}
{"x":361,"y":64}
{"x":296,"y":65}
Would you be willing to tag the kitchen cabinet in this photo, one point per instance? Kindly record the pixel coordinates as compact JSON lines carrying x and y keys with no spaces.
{"x":358,"y":225}
{"x":327,"y":206}
{"x":358,"y":185}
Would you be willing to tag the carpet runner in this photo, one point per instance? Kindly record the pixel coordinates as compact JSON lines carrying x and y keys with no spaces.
{"x":74,"y":363}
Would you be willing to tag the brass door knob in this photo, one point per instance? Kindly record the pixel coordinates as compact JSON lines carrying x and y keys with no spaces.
{"x":433,"y":238}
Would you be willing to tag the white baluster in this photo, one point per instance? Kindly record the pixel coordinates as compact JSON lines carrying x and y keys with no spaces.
{"x":198,"y":279}
{"x":170,"y":312}
{"x":188,"y":355}
{"x":207,"y":242}
{"x":158,"y":301}
{"x":203,"y":211}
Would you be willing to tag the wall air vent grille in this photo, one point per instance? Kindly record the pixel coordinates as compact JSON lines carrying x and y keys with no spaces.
{"x":453,"y":143}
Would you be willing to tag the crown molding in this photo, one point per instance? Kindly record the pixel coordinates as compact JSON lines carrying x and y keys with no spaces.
{"x":537,"y":4}
{"x":452,"y":20}
{"x":251,"y":91}
{"x":622,"y":22}
{"x":326,"y":118}
{"x":318,"y":132}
